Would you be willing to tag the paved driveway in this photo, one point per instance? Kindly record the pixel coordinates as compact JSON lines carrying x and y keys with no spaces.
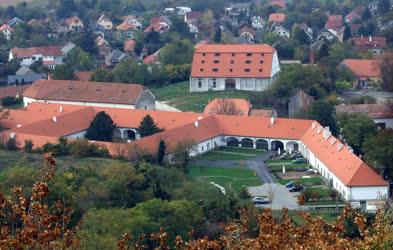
{"x":281,"y":197}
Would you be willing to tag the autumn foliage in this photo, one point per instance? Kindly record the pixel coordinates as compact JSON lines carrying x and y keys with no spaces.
{"x":29,"y":223}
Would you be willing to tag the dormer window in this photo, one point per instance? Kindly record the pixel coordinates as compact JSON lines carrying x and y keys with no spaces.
{"x":215,"y":70}
{"x":261,"y":61}
{"x":203,"y":61}
{"x":248,"y":62}
{"x":249,"y":54}
{"x":216,"y":61}
{"x":246,"y":70}
{"x":217,"y":54}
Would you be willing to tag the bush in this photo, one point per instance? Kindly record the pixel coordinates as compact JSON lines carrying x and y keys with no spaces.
{"x":11,"y":145}
{"x":362,"y":100}
{"x":10,"y":101}
{"x":244,"y":194}
{"x":28,"y":148}
{"x":82,"y":147}
{"x":307,"y":194}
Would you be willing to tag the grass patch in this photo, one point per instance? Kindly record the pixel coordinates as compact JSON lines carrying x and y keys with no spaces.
{"x":198,"y":171}
{"x":305,"y":181}
{"x":328,"y":216}
{"x":290,"y":167}
{"x":324,"y":202}
{"x":179,"y":96}
{"x":217,"y":155}
{"x":239,"y":183}
{"x":242,"y":150}
{"x":275,"y":162}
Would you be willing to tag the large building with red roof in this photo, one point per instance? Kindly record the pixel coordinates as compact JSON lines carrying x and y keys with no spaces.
{"x":349,"y":175}
{"x":249,"y":67}
{"x":366,"y":71}
{"x":51,"y":56}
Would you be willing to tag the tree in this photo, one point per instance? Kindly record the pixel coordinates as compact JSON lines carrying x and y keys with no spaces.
{"x":356,"y":128}
{"x":379,"y":149}
{"x":85,"y":39}
{"x":182,"y":153}
{"x":102,"y":75}
{"x":148,"y":127}
{"x":179,"y":52}
{"x":217,"y":35}
{"x":383,"y":6}
{"x":80,"y":60}
{"x":323,"y":111}
{"x":63,"y":72}
{"x":324,"y":50}
{"x":366,"y":15}
{"x":347,"y":32}
{"x":225,"y":106}
{"x":387,"y":71}
{"x":101,"y":128}
{"x":161,"y":152}
{"x":300,"y":37}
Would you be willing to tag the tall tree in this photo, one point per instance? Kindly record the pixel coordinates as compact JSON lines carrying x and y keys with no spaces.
{"x":161,"y":152}
{"x":179,"y":52}
{"x":102,"y":75}
{"x":347,"y":32}
{"x":64,"y":72}
{"x":217,"y":35}
{"x":379,"y":149}
{"x":101,"y":128}
{"x":148,"y":127}
{"x":356,"y":128}
{"x":383,"y":6}
{"x":387,"y":71}
{"x":323,"y":111}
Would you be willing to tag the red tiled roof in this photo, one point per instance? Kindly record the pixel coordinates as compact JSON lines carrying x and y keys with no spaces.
{"x":369,"y":42}
{"x":193,"y":15}
{"x":83,"y":75}
{"x":81,"y":91}
{"x":12,"y":91}
{"x":44,"y":50}
{"x":261,"y":112}
{"x":346,"y":166}
{"x":151,"y":58}
{"x":374,"y":111}
{"x":277,"y":17}
{"x":71,"y":20}
{"x":5,"y":26}
{"x":232,"y":60}
{"x":363,"y":67}
{"x":126,"y":26}
{"x":240,"y":104}
{"x":334,"y":22}
{"x":249,"y":30}
{"x":129,"y":45}
{"x":278,"y":3}
{"x":156,"y":27}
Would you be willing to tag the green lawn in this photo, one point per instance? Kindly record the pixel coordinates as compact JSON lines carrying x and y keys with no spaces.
{"x":179,"y":96}
{"x":323,"y":202}
{"x":232,"y":179}
{"x":242,"y":150}
{"x":328,"y":216}
{"x":228,"y":153}
{"x":276,"y":162}
{"x":288,"y":167}
{"x":304,"y":181}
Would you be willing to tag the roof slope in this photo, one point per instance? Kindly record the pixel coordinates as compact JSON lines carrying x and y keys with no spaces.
{"x":241,"y":105}
{"x":44,"y":50}
{"x":12,"y":91}
{"x":374,"y":111}
{"x":227,"y":60}
{"x":363,"y":67}
{"x":349,"y":168}
{"x":82,"y":91}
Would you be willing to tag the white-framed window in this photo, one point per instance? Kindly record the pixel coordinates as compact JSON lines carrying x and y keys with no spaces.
{"x":214,"y":83}
{"x":199,"y":83}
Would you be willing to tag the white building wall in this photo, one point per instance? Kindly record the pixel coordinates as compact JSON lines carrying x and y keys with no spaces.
{"x":208,"y":145}
{"x":246,"y":84}
{"x":77,"y":135}
{"x":388,"y":122}
{"x":28,"y":100}
{"x":368,"y":193}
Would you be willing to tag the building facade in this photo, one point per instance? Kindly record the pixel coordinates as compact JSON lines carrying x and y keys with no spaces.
{"x":243,"y":67}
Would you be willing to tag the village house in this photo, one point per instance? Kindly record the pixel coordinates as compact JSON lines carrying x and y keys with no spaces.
{"x":51,"y":56}
{"x":73,"y":23}
{"x":112,"y":95}
{"x":236,"y":9}
{"x":257,"y":22}
{"x":380,"y":113}
{"x":354,"y":15}
{"x":129,"y":46}
{"x":12,"y":91}
{"x":15,"y":22}
{"x":84,"y":76}
{"x":114,"y":57}
{"x":334,"y":24}
{"x":352,"y":178}
{"x":281,"y":31}
{"x":126,"y":29}
{"x":366,"y":71}
{"x":233,"y":66}
{"x":277,"y":18}
{"x":159,"y":24}
{"x":299,"y":104}
{"x":248,"y":33}
{"x":278,"y":3}
{"x":105,"y":22}
{"x":24,"y":75}
{"x":375,"y":45}
{"x":7,"y":31}
{"x":182,"y":10}
{"x":103,"y":46}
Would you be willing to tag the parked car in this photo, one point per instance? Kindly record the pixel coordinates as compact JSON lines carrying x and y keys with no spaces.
{"x":260,"y":200}
{"x":290,"y":184}
{"x":296,"y":188}
{"x":311,"y":171}
{"x":299,"y":160}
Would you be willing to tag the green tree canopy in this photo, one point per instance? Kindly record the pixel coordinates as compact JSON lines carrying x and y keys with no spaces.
{"x":102,"y":75}
{"x":148,"y":127}
{"x":323,"y":111}
{"x":64,"y":72}
{"x":356,"y":128}
{"x":101,"y":128}
{"x":179,"y":52}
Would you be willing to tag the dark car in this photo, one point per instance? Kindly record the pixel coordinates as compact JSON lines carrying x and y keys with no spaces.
{"x":297,"y":188}
{"x":290,"y":184}
{"x":299,"y":160}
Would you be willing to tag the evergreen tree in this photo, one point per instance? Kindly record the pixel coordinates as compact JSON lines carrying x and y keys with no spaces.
{"x":161,"y":152}
{"x":347,"y":32}
{"x":148,"y":127}
{"x":101,"y":128}
{"x":383,"y":6}
{"x":324,"y":50}
{"x":366,"y":15}
{"x":64,"y":72}
{"x":217,"y":35}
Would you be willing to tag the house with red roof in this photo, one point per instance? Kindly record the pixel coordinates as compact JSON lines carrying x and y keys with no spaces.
{"x":338,"y":165}
{"x":7,"y":31}
{"x":374,"y":44}
{"x":278,"y":3}
{"x":366,"y":71}
{"x":85,"y":93}
{"x":354,"y":15}
{"x":277,"y":18}
{"x":51,"y":56}
{"x":249,"y":67}
{"x":73,"y":23}
{"x":334,"y":24}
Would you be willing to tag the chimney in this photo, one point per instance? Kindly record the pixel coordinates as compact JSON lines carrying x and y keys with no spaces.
{"x":12,"y":135}
{"x":339,"y":147}
{"x":370,"y":38}
{"x":61,"y":109}
{"x":54,"y":119}
{"x":312,"y":57}
{"x":272,"y":120}
{"x":19,"y":125}
{"x":196,"y":124}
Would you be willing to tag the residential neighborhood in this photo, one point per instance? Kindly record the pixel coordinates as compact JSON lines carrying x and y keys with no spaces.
{"x":196,"y":124}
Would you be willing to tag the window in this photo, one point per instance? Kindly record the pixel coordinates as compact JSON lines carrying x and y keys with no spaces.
{"x":232,"y":62}
{"x":230,"y":70}
{"x":260,"y":70}
{"x":199,"y":83}
{"x":217,"y":54}
{"x":246,"y":70}
{"x":248,"y":62}
{"x":215,"y":70}
{"x":214,"y":83}
{"x":233,"y":54}
{"x":203,"y":61}
{"x":201,"y":70}
{"x":249,"y":54}
{"x":261,"y":61}
{"x":203,"y":54}
{"x":202,"y":148}
{"x":216,"y":61}
{"x":263,"y":54}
